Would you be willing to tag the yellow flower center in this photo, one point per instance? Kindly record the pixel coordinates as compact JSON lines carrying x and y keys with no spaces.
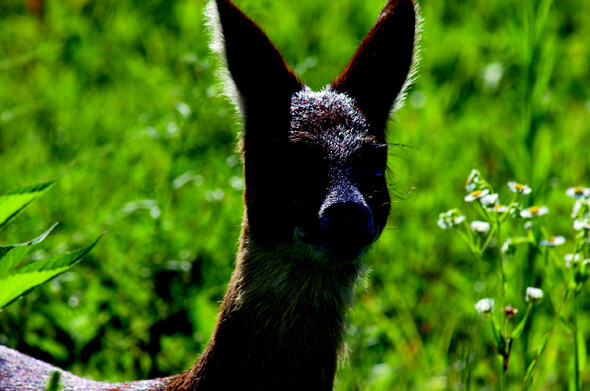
{"x":534,"y":210}
{"x":519,"y":187}
{"x":579,"y":191}
{"x":552,"y":239}
{"x":476,"y":193}
{"x":499,"y":206}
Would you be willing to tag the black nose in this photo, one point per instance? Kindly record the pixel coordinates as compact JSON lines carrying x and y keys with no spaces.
{"x":347,"y":226}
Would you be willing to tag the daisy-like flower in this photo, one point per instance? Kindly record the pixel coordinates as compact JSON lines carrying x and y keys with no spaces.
{"x":581,"y":207}
{"x":553,"y":241}
{"x":571,"y":258}
{"x":476,"y":194}
{"x":519,"y":188}
{"x":480,"y":226}
{"x":533,"y":294}
{"x":578,"y":192}
{"x":534,"y":211}
{"x":484,"y":306}
{"x":472,"y":180}
{"x":450,"y":219}
{"x":498,"y":208}
{"x":582,"y":224}
{"x":489,"y":199}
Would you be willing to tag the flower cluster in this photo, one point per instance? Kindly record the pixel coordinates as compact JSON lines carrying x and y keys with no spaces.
{"x":450,"y":219}
{"x":493,"y":213}
{"x":581,"y":211}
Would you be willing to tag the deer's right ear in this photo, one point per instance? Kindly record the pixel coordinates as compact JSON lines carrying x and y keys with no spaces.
{"x":378,"y":72}
{"x":259,"y":76}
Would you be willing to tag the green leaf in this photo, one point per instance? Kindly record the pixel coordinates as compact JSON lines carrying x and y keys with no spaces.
{"x":528,"y":377}
{"x":26,"y":278}
{"x":11,"y":254}
{"x":520,"y":328}
{"x":12,"y":203}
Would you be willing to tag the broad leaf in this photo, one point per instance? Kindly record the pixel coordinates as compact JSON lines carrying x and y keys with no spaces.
{"x":11,"y":254}
{"x":37,"y":273}
{"x":14,"y":202}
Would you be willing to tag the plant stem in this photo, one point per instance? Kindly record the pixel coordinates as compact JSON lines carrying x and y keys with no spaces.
{"x":576,"y":349}
{"x":505,"y":353}
{"x":531,"y":369}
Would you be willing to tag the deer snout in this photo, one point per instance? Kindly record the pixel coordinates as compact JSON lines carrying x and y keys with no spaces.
{"x":346,"y":222}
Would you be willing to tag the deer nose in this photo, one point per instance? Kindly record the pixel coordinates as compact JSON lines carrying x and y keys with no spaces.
{"x":347,"y":219}
{"x":347,"y":226}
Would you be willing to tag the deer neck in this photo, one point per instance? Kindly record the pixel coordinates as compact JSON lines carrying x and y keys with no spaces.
{"x":281,"y":323}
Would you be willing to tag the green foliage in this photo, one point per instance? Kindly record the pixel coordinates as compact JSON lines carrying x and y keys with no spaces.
{"x":516,"y":226}
{"x":103,"y":87}
{"x":17,"y":281}
{"x":14,"y":202}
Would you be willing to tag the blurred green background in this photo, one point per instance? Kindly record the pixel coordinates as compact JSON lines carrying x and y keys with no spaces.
{"x":120,"y":97}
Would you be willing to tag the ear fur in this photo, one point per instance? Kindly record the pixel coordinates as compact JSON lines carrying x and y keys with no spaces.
{"x":378,"y":71}
{"x":257,"y":72}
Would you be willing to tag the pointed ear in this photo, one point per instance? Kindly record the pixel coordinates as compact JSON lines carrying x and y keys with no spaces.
{"x":378,"y":71}
{"x":256,"y":68}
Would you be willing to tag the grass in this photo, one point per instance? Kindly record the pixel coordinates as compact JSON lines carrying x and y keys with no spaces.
{"x":100,"y":90}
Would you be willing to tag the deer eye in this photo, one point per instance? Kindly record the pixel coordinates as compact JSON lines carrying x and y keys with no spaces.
{"x":370,"y":162}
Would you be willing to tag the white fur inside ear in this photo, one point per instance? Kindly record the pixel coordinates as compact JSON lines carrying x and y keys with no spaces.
{"x":217,"y":45}
{"x":412,"y":74}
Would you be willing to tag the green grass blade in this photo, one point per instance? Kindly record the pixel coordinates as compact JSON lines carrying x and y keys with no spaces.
{"x":54,"y":382}
{"x":26,"y":278}
{"x":14,"y":202}
{"x":11,"y":254}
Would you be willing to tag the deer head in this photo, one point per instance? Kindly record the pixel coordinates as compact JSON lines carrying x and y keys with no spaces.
{"x":315,"y":161}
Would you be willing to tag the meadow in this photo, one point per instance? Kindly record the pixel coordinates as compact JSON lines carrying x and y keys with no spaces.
{"x":120,"y":101}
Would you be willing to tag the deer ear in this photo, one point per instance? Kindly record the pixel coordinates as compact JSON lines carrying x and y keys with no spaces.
{"x":378,"y":71}
{"x":258,"y":74}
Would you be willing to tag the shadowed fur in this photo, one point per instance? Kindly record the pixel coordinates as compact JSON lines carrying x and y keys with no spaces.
{"x":315,"y":199}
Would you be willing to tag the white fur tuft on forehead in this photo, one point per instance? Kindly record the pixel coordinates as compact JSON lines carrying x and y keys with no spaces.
{"x":319,"y":110}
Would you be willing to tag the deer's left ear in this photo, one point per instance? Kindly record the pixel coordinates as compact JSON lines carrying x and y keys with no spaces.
{"x":256,"y":68}
{"x":378,"y":71}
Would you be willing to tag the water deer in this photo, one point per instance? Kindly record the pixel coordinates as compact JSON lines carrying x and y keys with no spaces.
{"x":315,"y":198}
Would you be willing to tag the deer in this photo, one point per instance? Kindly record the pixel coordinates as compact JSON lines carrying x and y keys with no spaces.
{"x":316,"y":198}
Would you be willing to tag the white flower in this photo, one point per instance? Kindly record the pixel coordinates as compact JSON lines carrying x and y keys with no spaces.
{"x":534,"y":211}
{"x":484,"y":306}
{"x":533,"y":294}
{"x":569,"y":258}
{"x":479,"y":226}
{"x":490,"y":199}
{"x":553,"y":241}
{"x":519,"y":188}
{"x":498,"y":208}
{"x":577,"y":210}
{"x":472,"y":180}
{"x":475,"y":195}
{"x":450,"y":219}
{"x":582,"y":224}
{"x":578,"y":192}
